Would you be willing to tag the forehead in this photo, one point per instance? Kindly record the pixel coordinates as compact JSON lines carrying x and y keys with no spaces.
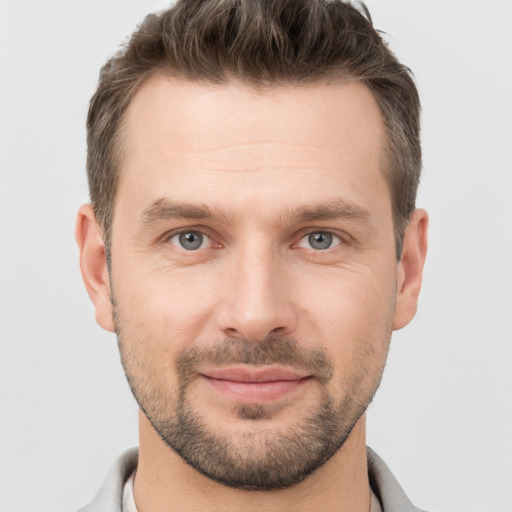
{"x":234,"y":141}
{"x":322,"y":114}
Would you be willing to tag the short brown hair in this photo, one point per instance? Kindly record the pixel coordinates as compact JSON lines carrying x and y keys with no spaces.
{"x":260,"y":43}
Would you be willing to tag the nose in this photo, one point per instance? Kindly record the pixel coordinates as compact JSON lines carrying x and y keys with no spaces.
{"x":257,"y":299}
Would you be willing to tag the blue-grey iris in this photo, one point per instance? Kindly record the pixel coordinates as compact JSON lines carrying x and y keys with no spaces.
{"x":191,"y":240}
{"x":320,"y":240}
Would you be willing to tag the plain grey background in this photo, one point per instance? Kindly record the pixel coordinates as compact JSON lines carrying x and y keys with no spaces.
{"x":442,"y":419}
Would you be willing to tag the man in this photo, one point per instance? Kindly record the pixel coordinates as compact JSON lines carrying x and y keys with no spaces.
{"x":253,"y":242}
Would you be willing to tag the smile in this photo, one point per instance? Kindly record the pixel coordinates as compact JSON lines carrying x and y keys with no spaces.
{"x":255,"y":386}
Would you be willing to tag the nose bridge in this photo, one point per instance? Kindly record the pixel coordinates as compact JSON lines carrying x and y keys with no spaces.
{"x":256,"y":300}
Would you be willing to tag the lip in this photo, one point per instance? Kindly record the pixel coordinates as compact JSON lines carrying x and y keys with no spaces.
{"x":260,"y":385}
{"x":254,"y":375}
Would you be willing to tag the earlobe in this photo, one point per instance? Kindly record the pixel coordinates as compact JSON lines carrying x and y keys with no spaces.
{"x":410,"y":268}
{"x":93,"y":265}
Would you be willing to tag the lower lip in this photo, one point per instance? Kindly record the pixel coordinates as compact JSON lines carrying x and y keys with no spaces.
{"x":256,"y":392}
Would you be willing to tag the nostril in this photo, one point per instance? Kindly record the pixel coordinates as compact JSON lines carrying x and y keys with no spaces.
{"x":232,"y":332}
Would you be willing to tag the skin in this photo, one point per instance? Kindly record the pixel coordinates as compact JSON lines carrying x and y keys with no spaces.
{"x":256,"y":160}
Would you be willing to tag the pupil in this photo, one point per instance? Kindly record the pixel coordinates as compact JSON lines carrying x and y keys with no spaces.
{"x":320,"y":240}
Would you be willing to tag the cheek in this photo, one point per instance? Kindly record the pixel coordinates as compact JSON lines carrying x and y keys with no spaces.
{"x":351,"y":316}
{"x":167,"y":309}
{"x":355,"y":331}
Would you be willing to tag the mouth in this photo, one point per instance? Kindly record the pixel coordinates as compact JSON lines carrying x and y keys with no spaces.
{"x":258,"y":386}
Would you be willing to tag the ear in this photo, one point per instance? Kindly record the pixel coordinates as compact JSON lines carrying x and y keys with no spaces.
{"x":410,"y":268}
{"x":93,"y":265}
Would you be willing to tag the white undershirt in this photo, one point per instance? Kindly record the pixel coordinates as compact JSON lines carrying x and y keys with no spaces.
{"x":129,"y":500}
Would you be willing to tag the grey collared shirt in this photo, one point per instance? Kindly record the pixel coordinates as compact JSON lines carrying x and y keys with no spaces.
{"x":386,"y":491}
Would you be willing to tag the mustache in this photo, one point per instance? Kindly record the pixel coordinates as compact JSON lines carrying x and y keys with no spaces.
{"x":273,"y":350}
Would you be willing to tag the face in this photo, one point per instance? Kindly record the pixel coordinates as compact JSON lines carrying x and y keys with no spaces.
{"x":253,"y":275}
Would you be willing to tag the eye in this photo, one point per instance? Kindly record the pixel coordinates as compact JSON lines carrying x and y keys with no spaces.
{"x":190,"y":240}
{"x":320,"y":240}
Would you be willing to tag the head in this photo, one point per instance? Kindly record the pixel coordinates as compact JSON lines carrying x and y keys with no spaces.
{"x":252,"y":238}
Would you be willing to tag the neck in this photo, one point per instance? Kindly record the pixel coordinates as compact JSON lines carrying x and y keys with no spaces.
{"x":164,"y":482}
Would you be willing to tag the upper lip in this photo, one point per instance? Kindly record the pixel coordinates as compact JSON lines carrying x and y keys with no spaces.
{"x":244,"y":374}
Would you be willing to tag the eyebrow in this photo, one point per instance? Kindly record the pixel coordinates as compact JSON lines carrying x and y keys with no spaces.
{"x":163,"y":209}
{"x":339,"y":209}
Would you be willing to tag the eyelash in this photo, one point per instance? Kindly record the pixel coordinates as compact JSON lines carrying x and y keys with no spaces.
{"x":337,"y":239}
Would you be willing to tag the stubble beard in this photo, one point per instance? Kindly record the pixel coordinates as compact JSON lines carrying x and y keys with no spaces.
{"x":254,"y":460}
{"x":259,"y":458}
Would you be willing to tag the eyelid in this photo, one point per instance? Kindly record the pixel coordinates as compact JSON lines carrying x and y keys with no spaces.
{"x":166,"y":238}
{"x":341,"y":237}
{"x":204,"y":242}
